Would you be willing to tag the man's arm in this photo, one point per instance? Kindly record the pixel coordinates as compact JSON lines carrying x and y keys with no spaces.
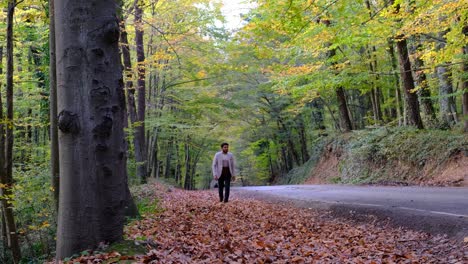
{"x":214,"y":168}
{"x":233,"y":167}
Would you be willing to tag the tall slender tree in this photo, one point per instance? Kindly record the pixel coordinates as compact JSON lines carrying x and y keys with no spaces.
{"x":407,"y":80}
{"x":414,"y":116}
{"x":91,"y":106}
{"x":3,"y":228}
{"x":54,"y":151}
{"x":6,"y":142}
{"x":448,"y":111}
{"x":140,"y":146}
{"x":465,"y":82}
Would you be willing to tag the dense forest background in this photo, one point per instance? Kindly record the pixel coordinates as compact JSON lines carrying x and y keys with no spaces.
{"x":295,"y":72}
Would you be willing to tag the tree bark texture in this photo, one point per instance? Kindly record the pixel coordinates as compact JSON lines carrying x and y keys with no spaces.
{"x":91,"y":105}
{"x":414,"y":117}
{"x":140,"y":150}
{"x":54,"y":151}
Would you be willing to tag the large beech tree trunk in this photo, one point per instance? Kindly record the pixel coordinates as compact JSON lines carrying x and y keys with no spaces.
{"x":414,"y":117}
{"x":54,"y":151}
{"x":91,"y":104}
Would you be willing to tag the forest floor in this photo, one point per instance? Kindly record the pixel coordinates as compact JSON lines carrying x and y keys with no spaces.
{"x":193,"y":227}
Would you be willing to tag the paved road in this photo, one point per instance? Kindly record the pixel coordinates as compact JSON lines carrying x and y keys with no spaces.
{"x":431,"y":209}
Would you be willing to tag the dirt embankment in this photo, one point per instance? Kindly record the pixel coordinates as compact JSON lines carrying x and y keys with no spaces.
{"x":393,"y":158}
{"x":453,"y":172}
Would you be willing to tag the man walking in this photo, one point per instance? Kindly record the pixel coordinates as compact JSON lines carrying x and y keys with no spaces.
{"x":223,"y":171}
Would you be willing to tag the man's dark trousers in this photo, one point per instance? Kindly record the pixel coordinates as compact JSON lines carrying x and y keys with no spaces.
{"x":224,"y":182}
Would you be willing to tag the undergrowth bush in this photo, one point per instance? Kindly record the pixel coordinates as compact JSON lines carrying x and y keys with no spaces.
{"x":34,"y":215}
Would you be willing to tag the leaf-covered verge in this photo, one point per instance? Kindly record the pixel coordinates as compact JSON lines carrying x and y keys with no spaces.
{"x":387,"y":156}
{"x":195,"y":228}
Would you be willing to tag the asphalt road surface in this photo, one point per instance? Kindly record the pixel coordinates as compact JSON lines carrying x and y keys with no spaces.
{"x":435,"y":210}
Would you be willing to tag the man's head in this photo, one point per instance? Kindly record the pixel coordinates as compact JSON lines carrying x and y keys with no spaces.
{"x":225,"y":147}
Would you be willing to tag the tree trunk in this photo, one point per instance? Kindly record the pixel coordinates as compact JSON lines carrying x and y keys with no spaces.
{"x":130,"y":96}
{"x":140,"y":150}
{"x":303,"y":140}
{"x":54,"y":151}
{"x":187,"y":179}
{"x":375,"y":91}
{"x":317,"y":108}
{"x":156,"y":150}
{"x":345,"y":120}
{"x":91,"y":104}
{"x":396,"y":80}
{"x":6,"y":170}
{"x":414,"y":117}
{"x":178,"y":170}
{"x":421,"y":80}
{"x":293,"y":155}
{"x":346,"y":124}
{"x":358,"y":106}
{"x":169,"y":150}
{"x":4,"y":234}
{"x":465,"y":83}
{"x":446,"y":100}
{"x":3,"y":231}
{"x":127,"y":63}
